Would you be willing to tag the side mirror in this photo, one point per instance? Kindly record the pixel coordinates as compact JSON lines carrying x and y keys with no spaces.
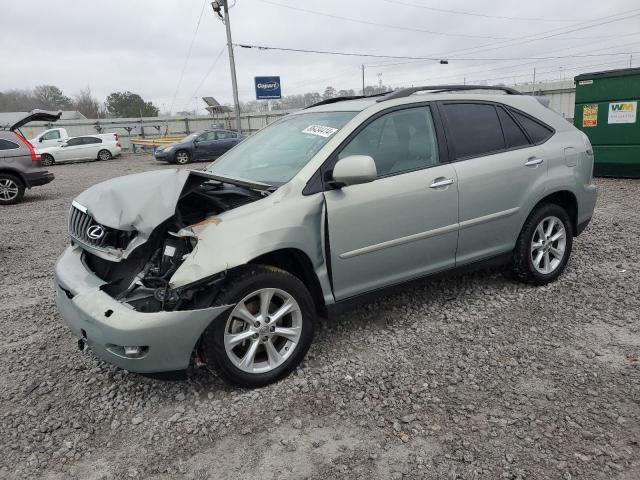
{"x":65,"y":144}
{"x":353,"y":170}
{"x":41,"y":139}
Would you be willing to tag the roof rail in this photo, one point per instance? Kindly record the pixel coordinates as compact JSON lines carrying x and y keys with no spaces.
{"x":405,"y":92}
{"x":342,"y":99}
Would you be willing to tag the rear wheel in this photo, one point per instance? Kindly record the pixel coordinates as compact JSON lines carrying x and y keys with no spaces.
{"x":11,"y":189}
{"x":544,"y":245}
{"x":104,"y":155}
{"x":182,"y":157}
{"x":268,"y":331}
{"x":47,"y":160}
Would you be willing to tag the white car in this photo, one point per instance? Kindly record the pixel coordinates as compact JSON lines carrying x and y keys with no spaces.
{"x":87,"y":147}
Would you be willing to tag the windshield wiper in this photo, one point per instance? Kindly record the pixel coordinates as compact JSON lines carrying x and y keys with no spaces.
{"x":237,"y":182}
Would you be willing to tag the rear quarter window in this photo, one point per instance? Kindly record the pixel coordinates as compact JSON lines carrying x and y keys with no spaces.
{"x":537,"y":131}
{"x":7,"y":145}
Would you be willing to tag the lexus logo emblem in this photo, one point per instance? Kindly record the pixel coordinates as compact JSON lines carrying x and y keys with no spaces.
{"x":95,"y":232}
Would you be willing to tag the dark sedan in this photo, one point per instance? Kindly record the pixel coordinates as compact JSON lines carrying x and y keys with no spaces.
{"x":199,"y":146}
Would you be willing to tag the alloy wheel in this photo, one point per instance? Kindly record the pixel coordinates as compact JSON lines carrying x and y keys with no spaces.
{"x":263,"y":330}
{"x":548,"y":245}
{"x":182,"y":158}
{"x":8,"y":189}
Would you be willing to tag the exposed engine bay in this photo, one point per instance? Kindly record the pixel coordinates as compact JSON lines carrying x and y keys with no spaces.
{"x":141,"y":281}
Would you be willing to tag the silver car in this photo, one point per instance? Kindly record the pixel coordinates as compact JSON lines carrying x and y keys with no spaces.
{"x":329,"y":206}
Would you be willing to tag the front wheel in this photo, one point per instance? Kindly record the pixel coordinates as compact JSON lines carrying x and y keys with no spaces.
{"x":104,"y":155}
{"x":182,"y":157}
{"x":544,"y":245}
{"x":267,"y":332}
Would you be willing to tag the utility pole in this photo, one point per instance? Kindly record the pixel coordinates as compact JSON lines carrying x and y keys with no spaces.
{"x":363,"y":80}
{"x":219,"y":5}
{"x":533,"y":85}
{"x":631,"y":61}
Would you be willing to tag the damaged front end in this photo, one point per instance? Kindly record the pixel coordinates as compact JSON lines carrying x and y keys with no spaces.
{"x":128,"y":238}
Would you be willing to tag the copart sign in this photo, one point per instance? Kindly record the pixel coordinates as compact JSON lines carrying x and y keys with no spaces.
{"x":268,"y":88}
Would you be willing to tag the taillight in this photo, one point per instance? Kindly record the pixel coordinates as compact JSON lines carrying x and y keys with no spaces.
{"x":116,"y":135}
{"x":34,"y":156}
{"x":118,"y":144}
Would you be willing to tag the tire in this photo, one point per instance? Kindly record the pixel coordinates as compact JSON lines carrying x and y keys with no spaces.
{"x":538,"y":259}
{"x":46,"y":160}
{"x":251,"y":287}
{"x":182,"y":157}
{"x":104,"y":154}
{"x":11,"y":189}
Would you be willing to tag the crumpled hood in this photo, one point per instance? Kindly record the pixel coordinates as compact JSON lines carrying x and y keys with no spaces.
{"x":135,"y":202}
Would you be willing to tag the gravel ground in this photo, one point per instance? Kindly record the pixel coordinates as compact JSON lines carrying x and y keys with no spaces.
{"x":472,"y":377}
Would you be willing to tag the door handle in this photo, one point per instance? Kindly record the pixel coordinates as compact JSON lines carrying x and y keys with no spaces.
{"x":441,"y":183}
{"x":533,"y":162}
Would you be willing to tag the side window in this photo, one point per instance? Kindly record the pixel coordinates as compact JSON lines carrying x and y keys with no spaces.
{"x":7,"y":145}
{"x":398,"y":141}
{"x":225,"y":135}
{"x":53,"y":135}
{"x":91,"y":140}
{"x":74,"y":142}
{"x":474,"y":129}
{"x":513,"y":134}
{"x":536,"y":131}
{"x":207,"y":136}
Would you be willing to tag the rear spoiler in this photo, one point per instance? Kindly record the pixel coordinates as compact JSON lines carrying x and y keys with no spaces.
{"x":37,"y":116}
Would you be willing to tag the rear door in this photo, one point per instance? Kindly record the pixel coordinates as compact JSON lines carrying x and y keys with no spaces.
{"x":226,"y":141}
{"x":402,"y":225}
{"x":499,"y":169}
{"x":90,"y":147}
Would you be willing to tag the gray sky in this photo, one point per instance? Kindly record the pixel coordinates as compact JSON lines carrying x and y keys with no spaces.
{"x":142,"y":45}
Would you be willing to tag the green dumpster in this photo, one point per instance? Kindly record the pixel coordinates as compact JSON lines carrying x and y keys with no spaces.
{"x":607,"y":111}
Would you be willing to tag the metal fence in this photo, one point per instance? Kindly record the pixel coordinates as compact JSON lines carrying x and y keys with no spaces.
{"x":149,"y":127}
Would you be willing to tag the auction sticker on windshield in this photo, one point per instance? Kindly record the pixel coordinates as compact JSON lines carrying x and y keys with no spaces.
{"x":320,"y":130}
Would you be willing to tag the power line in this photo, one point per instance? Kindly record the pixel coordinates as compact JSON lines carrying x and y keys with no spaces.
{"x":442,"y":60}
{"x":213,"y":65}
{"x":385,"y":25}
{"x":484,"y":15}
{"x":549,"y":34}
{"x":186,"y":60}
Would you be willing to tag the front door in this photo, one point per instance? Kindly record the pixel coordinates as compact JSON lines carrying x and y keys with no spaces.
{"x":402,"y":225}
{"x":70,"y":150}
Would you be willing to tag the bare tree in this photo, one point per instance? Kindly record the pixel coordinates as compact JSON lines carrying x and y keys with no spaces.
{"x":86,"y":104}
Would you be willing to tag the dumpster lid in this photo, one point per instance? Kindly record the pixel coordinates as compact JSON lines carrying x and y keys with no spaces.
{"x":620,"y":72}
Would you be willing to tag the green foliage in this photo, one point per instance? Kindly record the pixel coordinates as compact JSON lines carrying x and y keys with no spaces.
{"x":129,"y":105}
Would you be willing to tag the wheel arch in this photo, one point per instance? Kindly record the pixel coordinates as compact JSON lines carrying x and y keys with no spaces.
{"x":297,"y":263}
{"x":16,"y":173}
{"x":565,"y":199}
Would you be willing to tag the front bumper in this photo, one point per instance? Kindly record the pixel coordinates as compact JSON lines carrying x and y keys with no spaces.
{"x":163,"y":156}
{"x":107,"y":325}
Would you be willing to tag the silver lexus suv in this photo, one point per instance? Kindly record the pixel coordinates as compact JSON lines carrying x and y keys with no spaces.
{"x":330,"y":205}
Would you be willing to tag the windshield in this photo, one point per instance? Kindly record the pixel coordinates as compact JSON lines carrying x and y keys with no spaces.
{"x":276,"y":153}
{"x":191,"y":137}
